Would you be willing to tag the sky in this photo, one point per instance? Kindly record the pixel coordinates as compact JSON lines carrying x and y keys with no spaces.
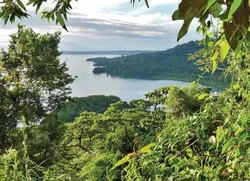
{"x":100,"y":25}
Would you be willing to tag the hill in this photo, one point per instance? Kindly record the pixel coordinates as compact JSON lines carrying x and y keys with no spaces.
{"x":171,"y":64}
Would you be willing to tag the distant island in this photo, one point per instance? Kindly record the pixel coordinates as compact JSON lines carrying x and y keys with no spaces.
{"x":115,"y":52}
{"x":171,"y":64}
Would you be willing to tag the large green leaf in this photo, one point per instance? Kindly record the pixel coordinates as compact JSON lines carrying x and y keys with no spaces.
{"x":187,"y":11}
{"x":184,"y":29}
{"x":210,"y":3}
{"x":219,"y":134}
{"x":224,"y":48}
{"x":214,"y":61}
{"x":123,"y":160}
{"x":189,"y":152}
{"x":61,"y":20}
{"x":184,"y":8}
{"x":235,"y":5}
{"x":215,"y":10}
{"x":227,"y":145}
{"x":202,"y":96}
{"x":146,"y":149}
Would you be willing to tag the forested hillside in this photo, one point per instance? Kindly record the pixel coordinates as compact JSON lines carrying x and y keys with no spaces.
{"x":76,"y":105}
{"x":171,"y":64}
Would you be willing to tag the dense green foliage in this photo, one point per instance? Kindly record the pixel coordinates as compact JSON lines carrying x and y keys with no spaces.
{"x":171,"y":64}
{"x":33,"y":82}
{"x":10,"y":10}
{"x":76,"y":105}
{"x":174,"y":134}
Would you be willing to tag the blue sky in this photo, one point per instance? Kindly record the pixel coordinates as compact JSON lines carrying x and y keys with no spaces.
{"x":112,"y":25}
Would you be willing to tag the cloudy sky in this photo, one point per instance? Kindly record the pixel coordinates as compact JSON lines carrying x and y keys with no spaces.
{"x":113,"y":25}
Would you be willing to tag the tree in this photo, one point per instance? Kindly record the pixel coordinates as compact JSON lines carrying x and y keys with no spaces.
{"x":93,"y":103}
{"x":10,"y":10}
{"x":33,"y":82}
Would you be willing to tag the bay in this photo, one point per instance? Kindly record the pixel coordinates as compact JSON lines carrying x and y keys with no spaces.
{"x":88,"y":83}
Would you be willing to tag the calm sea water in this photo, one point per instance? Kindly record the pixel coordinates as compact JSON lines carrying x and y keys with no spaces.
{"x":88,"y":83}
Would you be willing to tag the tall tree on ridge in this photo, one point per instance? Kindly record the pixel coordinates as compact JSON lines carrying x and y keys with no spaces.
{"x":33,"y":82}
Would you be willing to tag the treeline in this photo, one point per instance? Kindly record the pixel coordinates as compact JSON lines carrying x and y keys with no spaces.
{"x":191,"y":137}
{"x":172,"y":64}
{"x":76,"y":105}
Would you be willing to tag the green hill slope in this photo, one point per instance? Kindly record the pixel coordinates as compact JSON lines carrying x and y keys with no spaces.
{"x":172,"y":64}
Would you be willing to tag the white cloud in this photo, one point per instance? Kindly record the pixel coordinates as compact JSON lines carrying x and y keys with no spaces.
{"x":93,"y":6}
{"x":4,"y":36}
{"x":163,"y":2}
{"x":112,"y":24}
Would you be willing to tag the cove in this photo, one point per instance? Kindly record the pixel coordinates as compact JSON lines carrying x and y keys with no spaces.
{"x":88,"y":83}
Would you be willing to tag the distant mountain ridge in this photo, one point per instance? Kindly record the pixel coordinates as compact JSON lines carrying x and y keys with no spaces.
{"x":171,"y":64}
{"x":112,"y":52}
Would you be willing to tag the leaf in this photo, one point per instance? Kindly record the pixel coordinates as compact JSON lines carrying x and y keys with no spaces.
{"x":239,"y":131}
{"x":12,"y":18}
{"x":207,"y":40}
{"x":214,"y":60}
{"x":210,"y":3}
{"x":236,"y":86}
{"x":30,"y":2}
{"x":146,"y":149}
{"x":20,"y":3}
{"x":61,"y":20}
{"x":132,"y":1}
{"x":189,"y":152}
{"x":202,"y":96}
{"x":184,"y":7}
{"x":38,"y":6}
{"x":227,"y":145}
{"x":184,"y":29}
{"x":187,"y":11}
{"x":232,"y":34}
{"x":224,"y":48}
{"x":235,"y":5}
{"x":223,"y":16}
{"x":215,"y":10}
{"x":244,"y":149}
{"x":219,"y":134}
{"x":198,"y":7}
{"x":146,"y":1}
{"x":238,"y":52}
{"x":123,"y":160}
